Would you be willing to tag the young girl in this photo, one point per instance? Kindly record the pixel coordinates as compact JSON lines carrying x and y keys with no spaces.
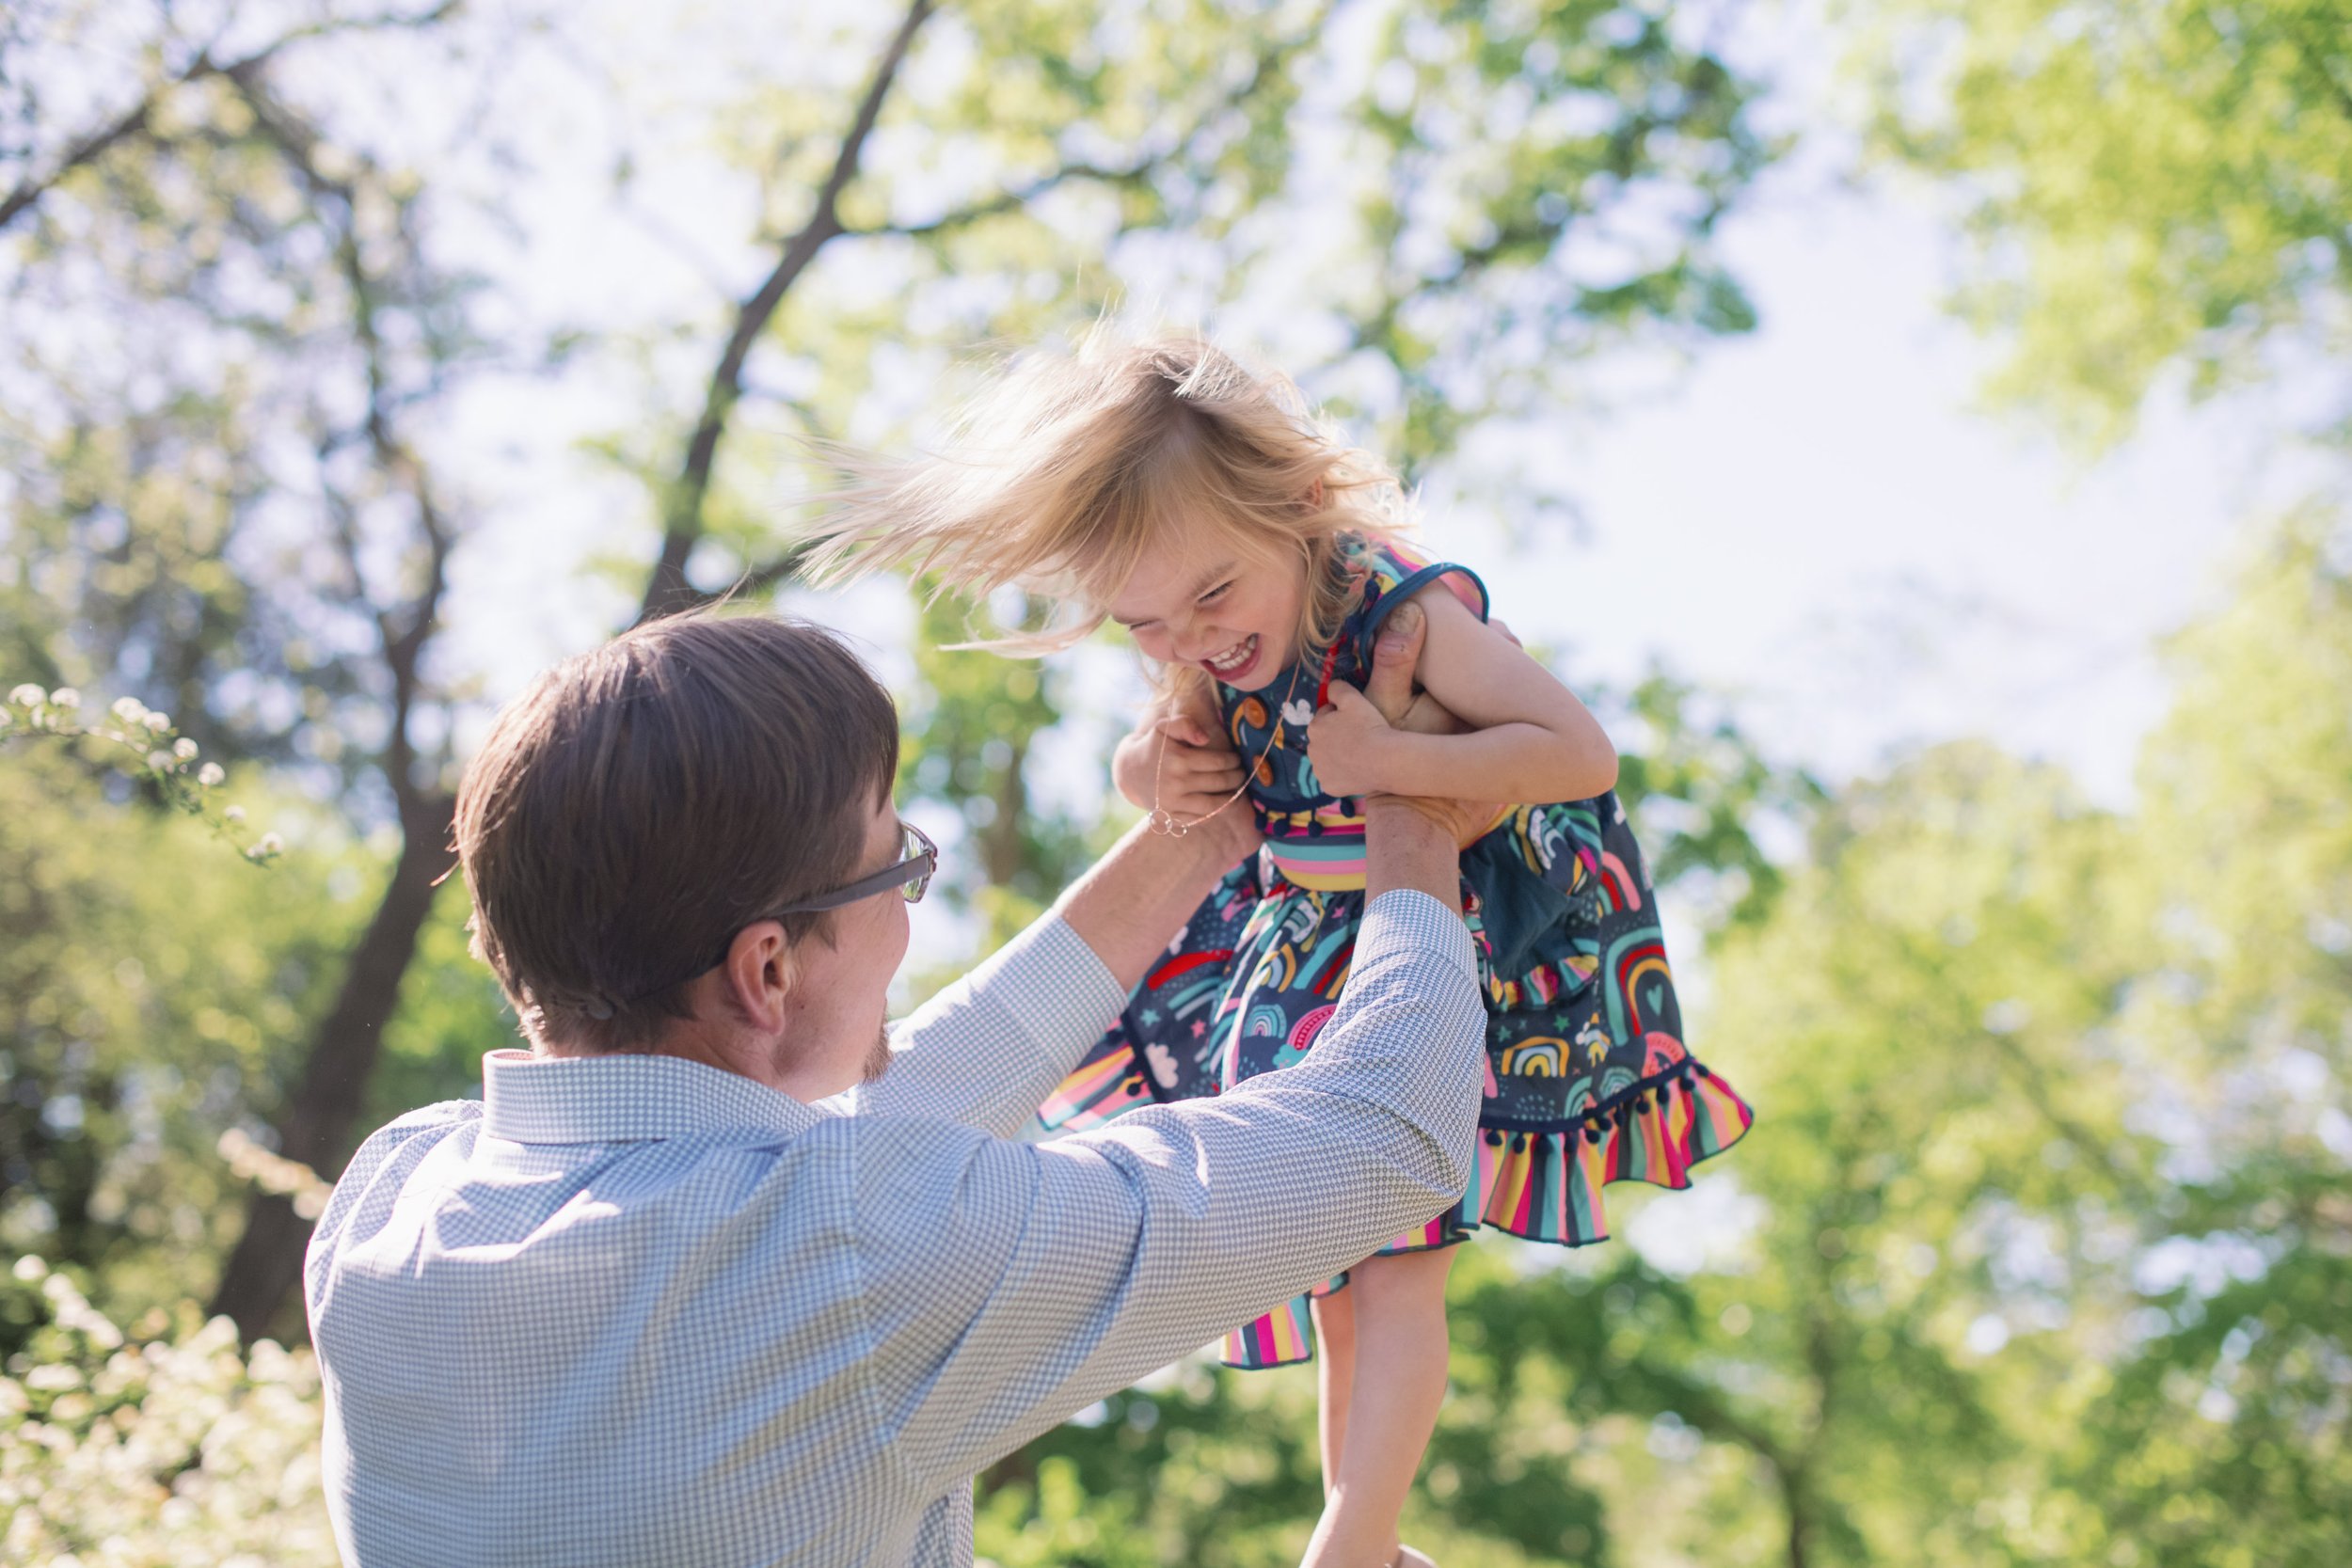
{"x":1253,"y":556}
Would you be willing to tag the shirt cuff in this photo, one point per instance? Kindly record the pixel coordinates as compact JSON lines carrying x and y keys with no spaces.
{"x":1407,"y":920}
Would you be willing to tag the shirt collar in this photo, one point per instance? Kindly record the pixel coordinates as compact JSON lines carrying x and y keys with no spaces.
{"x":624,"y":1099}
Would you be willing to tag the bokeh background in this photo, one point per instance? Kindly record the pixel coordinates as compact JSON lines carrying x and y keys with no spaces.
{"x":1919,"y":426}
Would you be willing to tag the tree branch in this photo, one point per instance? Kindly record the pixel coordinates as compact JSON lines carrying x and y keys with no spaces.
{"x":666,"y":588}
{"x":402,"y":630}
{"x":1006,"y":201}
{"x":32,"y":188}
{"x":134,"y":120}
{"x":762,"y":578}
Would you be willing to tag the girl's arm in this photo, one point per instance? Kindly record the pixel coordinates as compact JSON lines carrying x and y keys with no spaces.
{"x":1531,"y":740}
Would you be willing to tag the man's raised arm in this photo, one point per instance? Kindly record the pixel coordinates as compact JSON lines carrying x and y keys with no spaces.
{"x":1051,"y":1274}
{"x":988,"y":1049}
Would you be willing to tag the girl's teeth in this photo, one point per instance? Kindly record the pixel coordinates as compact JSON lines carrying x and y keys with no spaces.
{"x":1234,"y":659}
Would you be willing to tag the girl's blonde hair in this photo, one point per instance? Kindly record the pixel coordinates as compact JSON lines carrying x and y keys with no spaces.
{"x":1062,"y":470}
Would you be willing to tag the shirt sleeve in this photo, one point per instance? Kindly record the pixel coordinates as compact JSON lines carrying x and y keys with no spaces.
{"x":989,"y":1049}
{"x":1011,"y":1285}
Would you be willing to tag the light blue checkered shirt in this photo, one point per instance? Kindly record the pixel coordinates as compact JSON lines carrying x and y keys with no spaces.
{"x":635,"y":1311}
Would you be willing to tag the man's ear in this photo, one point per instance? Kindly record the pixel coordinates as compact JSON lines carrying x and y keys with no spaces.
{"x":760,"y":973}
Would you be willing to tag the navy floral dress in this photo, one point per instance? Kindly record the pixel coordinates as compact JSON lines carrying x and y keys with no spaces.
{"x":1588,"y":1081}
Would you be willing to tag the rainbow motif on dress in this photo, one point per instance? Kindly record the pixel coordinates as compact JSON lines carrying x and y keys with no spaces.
{"x":1281,"y":1338}
{"x":1096,"y":1093}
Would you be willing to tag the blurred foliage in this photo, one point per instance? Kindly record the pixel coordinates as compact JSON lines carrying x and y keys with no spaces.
{"x":2230,"y":1415}
{"x":970,"y":728}
{"x":2150,"y":185}
{"x":1705,"y":794}
{"x":152,"y":990}
{"x":165,"y":1447}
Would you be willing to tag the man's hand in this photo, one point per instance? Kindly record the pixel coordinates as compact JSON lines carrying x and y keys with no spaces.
{"x":1389,"y":697}
{"x":1345,"y":741}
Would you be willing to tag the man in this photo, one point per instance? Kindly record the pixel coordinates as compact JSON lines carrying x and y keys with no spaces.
{"x":711,"y":1275}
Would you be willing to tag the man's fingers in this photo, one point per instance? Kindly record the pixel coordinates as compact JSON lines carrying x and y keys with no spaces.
{"x":1186,"y":730}
{"x":1181,"y":755}
{"x":1202,"y":767}
{"x":1502,"y":626}
{"x":1394,"y":656}
{"x":1217,"y":775}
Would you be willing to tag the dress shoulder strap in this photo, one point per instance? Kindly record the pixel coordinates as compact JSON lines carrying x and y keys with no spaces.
{"x":1396,"y":572}
{"x":1392,"y":573}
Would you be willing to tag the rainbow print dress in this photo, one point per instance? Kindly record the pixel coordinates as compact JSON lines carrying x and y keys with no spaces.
{"x":1588,"y":1081}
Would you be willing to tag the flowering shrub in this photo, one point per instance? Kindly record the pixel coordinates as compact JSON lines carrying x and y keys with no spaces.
{"x":157,"y":753}
{"x":166,"y":1447}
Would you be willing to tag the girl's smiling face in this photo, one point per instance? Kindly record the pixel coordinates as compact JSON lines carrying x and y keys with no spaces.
{"x":1205,"y":601}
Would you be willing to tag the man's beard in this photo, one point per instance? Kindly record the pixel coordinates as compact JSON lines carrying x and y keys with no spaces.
{"x":877,"y":1057}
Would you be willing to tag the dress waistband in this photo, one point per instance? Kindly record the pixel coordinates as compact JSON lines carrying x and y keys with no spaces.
{"x":1331,"y":861}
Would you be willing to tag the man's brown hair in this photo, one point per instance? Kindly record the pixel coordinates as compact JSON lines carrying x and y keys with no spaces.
{"x":641,"y":803}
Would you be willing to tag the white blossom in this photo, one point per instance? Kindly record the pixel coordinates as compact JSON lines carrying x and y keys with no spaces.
{"x":65,"y":696}
{"x":270,"y":845}
{"x":130,"y":710}
{"x":211,"y":776}
{"x":233,"y":814}
{"x":28,"y":695}
{"x":160,"y":761}
{"x":183,"y":749}
{"x":159,"y":722}
{"x":237,"y":1433}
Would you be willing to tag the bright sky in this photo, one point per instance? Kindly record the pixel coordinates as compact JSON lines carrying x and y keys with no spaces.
{"x":1814,"y":519}
{"x":1818,"y":521}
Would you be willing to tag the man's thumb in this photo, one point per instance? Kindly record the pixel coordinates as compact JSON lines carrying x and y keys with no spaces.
{"x":1186,"y":730}
{"x":1393,"y":658}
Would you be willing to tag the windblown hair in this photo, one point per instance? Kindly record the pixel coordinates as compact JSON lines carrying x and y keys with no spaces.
{"x":1063,"y":470}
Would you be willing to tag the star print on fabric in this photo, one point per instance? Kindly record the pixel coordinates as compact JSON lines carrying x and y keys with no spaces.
{"x":1198,"y":1028}
{"x":1148,"y":1017}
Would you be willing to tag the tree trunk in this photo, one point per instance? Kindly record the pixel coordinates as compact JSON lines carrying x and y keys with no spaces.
{"x":318,"y":1124}
{"x":1794,"y":1497}
{"x":1002,"y":853}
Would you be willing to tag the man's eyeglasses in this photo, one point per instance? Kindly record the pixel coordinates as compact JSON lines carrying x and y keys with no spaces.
{"x":918,"y":863}
{"x":918,"y":860}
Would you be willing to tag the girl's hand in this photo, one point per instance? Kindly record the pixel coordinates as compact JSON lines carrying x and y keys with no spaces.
{"x":1179,"y":765}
